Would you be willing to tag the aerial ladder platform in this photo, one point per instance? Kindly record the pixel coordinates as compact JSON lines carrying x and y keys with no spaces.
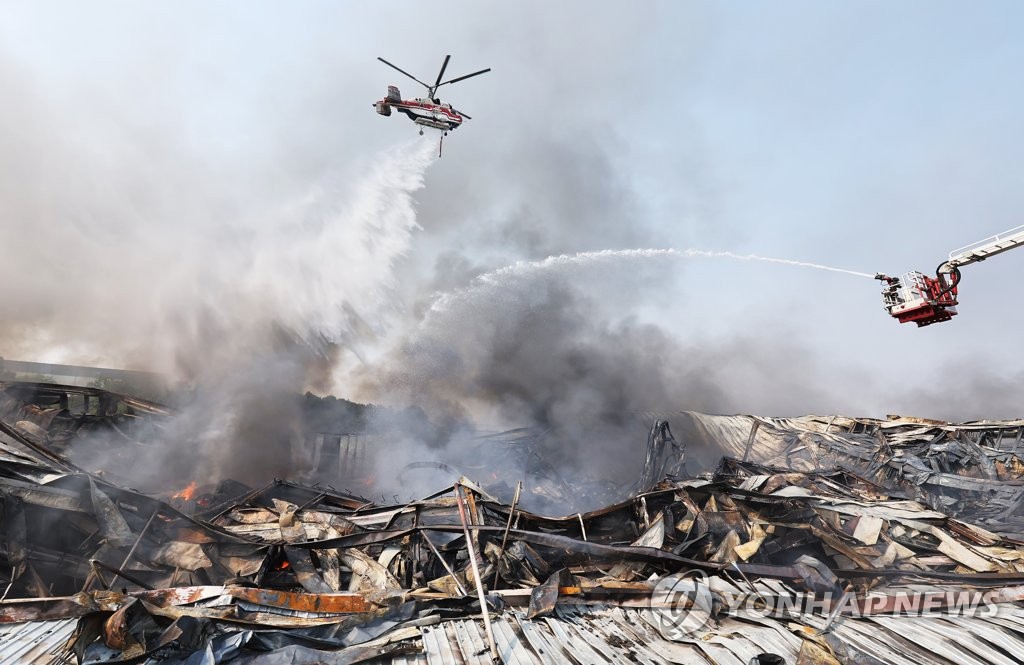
{"x":917,"y":298}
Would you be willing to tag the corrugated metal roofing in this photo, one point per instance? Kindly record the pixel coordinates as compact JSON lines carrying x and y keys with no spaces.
{"x":36,"y":642}
{"x":605,"y":634}
{"x":596,"y":634}
{"x":968,"y":470}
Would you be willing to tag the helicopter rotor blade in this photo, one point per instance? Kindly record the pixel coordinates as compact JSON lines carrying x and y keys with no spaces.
{"x":444,"y":66}
{"x":463,"y":78}
{"x":465,"y":115}
{"x":403,"y":71}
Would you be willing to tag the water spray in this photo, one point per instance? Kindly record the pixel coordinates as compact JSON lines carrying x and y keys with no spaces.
{"x":524,"y":268}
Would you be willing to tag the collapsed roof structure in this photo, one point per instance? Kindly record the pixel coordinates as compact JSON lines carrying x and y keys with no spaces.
{"x":812,"y":540}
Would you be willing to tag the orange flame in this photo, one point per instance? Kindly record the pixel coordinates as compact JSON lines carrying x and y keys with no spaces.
{"x":187,"y":493}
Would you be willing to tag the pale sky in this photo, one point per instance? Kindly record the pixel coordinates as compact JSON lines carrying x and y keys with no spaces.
{"x":874,"y":136}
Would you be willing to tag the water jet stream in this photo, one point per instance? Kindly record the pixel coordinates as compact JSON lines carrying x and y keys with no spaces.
{"x":524,"y":268}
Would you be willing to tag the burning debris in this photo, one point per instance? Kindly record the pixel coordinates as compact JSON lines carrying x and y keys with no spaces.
{"x":818,"y":540}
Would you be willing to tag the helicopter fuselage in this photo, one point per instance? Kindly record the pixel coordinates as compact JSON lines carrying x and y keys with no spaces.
{"x":422,"y":111}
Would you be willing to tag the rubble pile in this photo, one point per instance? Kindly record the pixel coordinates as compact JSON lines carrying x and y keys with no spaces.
{"x":972,"y":470}
{"x":96,"y":572}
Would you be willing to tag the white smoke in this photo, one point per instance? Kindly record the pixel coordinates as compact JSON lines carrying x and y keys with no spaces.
{"x":125,"y":246}
{"x":145,"y":266}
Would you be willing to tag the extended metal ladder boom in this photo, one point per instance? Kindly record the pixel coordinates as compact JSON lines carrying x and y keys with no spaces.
{"x":980,"y":251}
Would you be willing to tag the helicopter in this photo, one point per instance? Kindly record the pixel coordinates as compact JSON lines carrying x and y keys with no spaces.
{"x":426,"y":111}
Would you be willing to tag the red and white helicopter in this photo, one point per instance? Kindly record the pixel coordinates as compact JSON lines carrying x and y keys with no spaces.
{"x":426,"y":111}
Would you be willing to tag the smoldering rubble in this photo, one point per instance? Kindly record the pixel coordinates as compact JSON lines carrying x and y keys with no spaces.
{"x":863,"y":514}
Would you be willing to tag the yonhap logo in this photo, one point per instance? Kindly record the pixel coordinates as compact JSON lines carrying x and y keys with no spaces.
{"x":682,"y":604}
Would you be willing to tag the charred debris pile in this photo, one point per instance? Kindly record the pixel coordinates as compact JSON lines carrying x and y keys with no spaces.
{"x":858,"y":512}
